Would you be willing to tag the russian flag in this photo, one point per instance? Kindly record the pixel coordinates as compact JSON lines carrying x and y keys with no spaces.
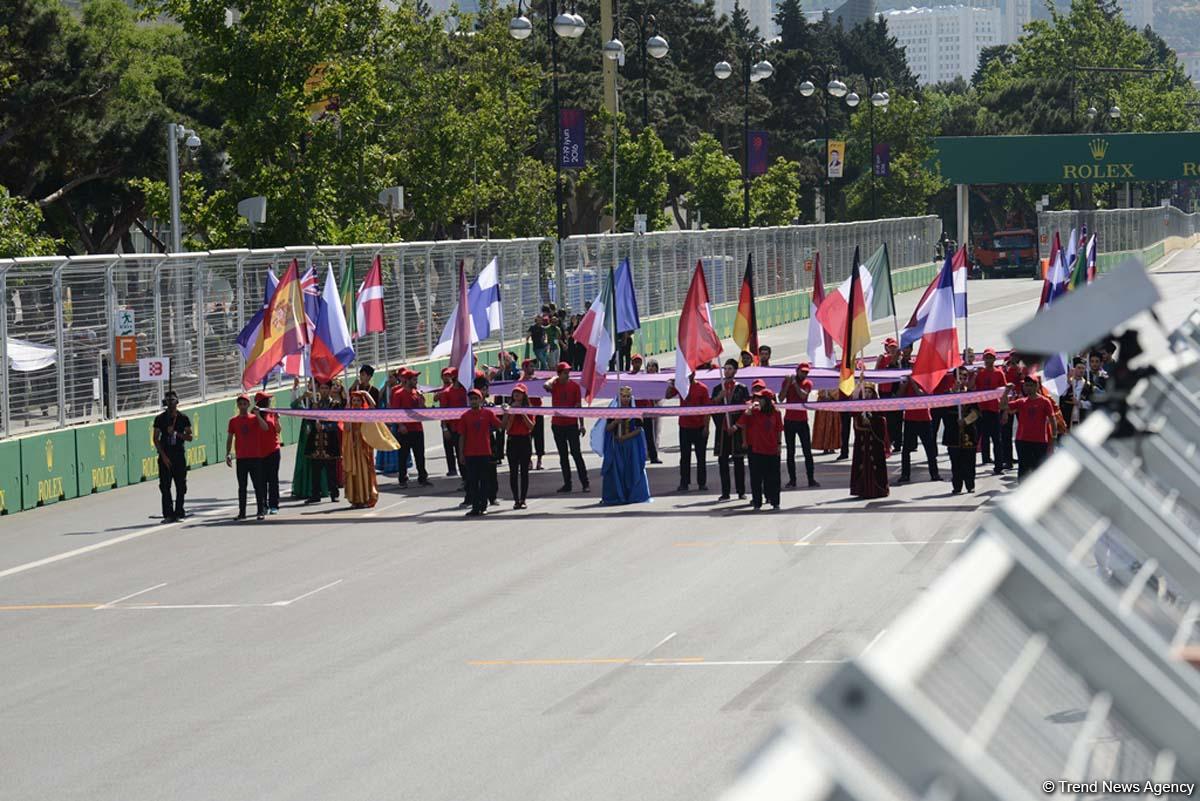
{"x":486,"y":311}
{"x":939,"y":340}
{"x":249,"y":335}
{"x":332,"y":348}
{"x":592,"y":332}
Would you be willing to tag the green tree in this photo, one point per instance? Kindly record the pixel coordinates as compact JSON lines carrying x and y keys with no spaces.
{"x":643,"y":171}
{"x":712,"y":181}
{"x":20,"y":229}
{"x":775,"y":195}
{"x":908,"y":128}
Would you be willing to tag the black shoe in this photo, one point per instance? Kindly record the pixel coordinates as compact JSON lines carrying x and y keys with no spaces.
{"x":240,"y":516}
{"x":813,"y":483}
{"x":180,"y":515}
{"x":403,"y":484}
{"x":261,"y":516}
{"x":842,"y":457}
{"x":986,"y":461}
{"x":656,"y":461}
{"x":902,"y":480}
{"x":741,"y":496}
{"x":756,"y":506}
{"x":564,"y":488}
{"x":723,"y":498}
{"x":775,"y":506}
{"x":997,"y":471}
{"x":333,"y":498}
{"x":474,"y":513}
{"x":791,"y":484}
{"x":493,"y":502}
{"x":312,"y":501}
{"x":425,"y":482}
{"x":702,"y":487}
{"x":452,"y":473}
{"x":955,"y":492}
{"x":517,"y":505}
{"x":585,"y":487}
{"x":682,"y":488}
{"x":935,"y":477}
{"x":971,"y":490}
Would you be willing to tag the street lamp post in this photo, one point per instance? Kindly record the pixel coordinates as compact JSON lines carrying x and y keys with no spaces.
{"x":177,"y":133}
{"x":879,"y":99}
{"x":837,"y":90}
{"x":760,"y":71}
{"x":568,"y":25}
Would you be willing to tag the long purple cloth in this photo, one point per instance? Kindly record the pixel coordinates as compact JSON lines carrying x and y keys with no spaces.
{"x":597,"y":412}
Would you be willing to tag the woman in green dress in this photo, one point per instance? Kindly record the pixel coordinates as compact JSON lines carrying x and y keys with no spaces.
{"x":302,"y":398}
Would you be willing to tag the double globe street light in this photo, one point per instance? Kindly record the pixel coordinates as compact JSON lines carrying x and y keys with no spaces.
{"x":760,"y":71}
{"x":838,"y":90}
{"x":654,"y":46}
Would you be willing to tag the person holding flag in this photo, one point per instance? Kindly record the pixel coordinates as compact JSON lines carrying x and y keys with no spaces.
{"x":566,"y":394}
{"x":797,"y":389}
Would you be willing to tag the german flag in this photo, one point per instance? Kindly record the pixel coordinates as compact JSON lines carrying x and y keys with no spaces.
{"x":858,"y":329}
{"x":745,"y":324}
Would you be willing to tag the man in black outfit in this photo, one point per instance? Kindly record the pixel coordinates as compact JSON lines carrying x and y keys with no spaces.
{"x":172,"y":429}
{"x":729,"y":443}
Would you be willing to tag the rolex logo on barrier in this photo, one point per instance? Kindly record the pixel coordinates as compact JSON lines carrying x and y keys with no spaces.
{"x":1098,"y":147}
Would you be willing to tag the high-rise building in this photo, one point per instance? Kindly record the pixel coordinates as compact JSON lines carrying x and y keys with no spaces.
{"x":944,"y":42}
{"x":761,"y":13}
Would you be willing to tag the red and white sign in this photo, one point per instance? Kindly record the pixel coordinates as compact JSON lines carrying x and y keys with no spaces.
{"x":156,"y":368}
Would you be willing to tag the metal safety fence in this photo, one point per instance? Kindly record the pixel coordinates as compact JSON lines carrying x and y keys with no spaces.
{"x":1055,"y":655}
{"x":1118,"y":229}
{"x":62,"y":315}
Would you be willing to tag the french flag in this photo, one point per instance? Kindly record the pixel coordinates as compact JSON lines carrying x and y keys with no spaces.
{"x":332,"y":348}
{"x":486,"y":311}
{"x":592,"y":332}
{"x":957,"y":264}
{"x":939,"y":339}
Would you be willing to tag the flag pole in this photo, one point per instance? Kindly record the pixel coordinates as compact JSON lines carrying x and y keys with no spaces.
{"x":612,"y":297}
{"x":891,"y":291}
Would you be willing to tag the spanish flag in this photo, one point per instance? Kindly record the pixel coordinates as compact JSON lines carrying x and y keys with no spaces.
{"x":745,"y":324}
{"x":858,"y":329}
{"x":284,"y":331}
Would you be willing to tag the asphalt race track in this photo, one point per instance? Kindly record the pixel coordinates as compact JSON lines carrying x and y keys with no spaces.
{"x":569,"y":651}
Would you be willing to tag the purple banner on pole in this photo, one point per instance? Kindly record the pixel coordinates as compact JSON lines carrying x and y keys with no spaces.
{"x":758,"y":153}
{"x":883,"y":159}
{"x":570,"y":124}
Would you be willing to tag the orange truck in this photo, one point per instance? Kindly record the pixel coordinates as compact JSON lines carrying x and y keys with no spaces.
{"x":1008,"y":253}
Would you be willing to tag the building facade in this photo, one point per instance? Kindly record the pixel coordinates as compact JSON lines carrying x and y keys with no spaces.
{"x":944,"y":42}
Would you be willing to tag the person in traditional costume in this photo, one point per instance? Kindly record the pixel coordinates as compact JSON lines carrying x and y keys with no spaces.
{"x":324,"y":448}
{"x":623,"y":447}
{"x":302,"y":471}
{"x":868,"y":469}
{"x":961,"y":436}
{"x":827,"y":425}
{"x":359,"y":443}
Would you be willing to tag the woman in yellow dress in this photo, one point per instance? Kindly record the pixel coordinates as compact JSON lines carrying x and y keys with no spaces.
{"x":359,"y":444}
{"x":827,"y":426}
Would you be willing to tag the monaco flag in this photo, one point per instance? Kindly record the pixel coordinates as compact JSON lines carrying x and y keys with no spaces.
{"x":592,"y":332}
{"x":939,"y":339}
{"x":697,"y":342}
{"x":368,"y":311}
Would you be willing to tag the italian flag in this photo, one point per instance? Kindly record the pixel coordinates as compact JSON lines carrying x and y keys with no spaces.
{"x":592,"y":332}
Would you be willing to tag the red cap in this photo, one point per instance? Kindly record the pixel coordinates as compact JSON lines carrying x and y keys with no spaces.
{"x":407,"y":373}
{"x":803,"y":366}
{"x":524,"y":390}
{"x":758,"y":384}
{"x":563,"y":366}
{"x":453,"y":371}
{"x":637,"y":357}
{"x":476,"y":393}
{"x":244,"y":397}
{"x":261,"y":396}
{"x":480,"y":374}
{"x":989,"y":351}
{"x":447,"y":371}
{"x":765,"y":393}
{"x":890,"y":341}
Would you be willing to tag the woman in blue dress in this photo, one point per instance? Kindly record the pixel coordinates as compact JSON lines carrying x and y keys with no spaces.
{"x":624,"y":452}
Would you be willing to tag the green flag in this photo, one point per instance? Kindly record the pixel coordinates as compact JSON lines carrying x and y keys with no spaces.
{"x":1079,"y":269}
{"x":347,"y":292}
{"x":880,"y":268}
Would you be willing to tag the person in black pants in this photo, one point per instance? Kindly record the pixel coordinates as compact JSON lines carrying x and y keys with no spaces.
{"x":796,"y":389}
{"x":475,"y":444}
{"x":324,"y":447}
{"x":519,"y":428}
{"x":762,"y":425}
{"x":729,"y":442}
{"x":693,"y":435}
{"x":565,"y":394}
{"x":172,"y":429}
{"x":961,"y":437}
{"x":270,"y":449}
{"x":244,"y":438}
{"x":918,"y":426}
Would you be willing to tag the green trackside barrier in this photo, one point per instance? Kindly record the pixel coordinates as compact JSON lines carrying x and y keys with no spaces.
{"x":139,"y":445}
{"x":48,"y":469}
{"x":222,"y":411}
{"x":202,"y":450}
{"x":101,"y":457}
{"x":10,"y":477}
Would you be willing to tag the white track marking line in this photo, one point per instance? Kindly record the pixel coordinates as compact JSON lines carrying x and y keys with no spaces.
{"x":871,"y":644}
{"x":664,"y":640}
{"x":955,"y":541}
{"x":111,"y":604}
{"x":804,"y":540}
{"x":197,"y":606}
{"x":95,"y":546}
{"x":377,"y":512}
{"x":741,"y":662}
{"x":309,"y":593}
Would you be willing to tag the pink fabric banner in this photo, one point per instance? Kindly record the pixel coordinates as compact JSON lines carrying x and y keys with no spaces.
{"x":597,"y":412}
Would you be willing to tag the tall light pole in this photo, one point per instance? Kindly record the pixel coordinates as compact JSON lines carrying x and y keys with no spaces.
{"x":837,"y":90}
{"x":614,"y":50}
{"x":177,"y":133}
{"x":879,"y":100}
{"x":761,"y":70}
{"x":568,"y":25}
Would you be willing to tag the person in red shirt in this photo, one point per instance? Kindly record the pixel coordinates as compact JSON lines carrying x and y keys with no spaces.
{"x":244,"y":438}
{"x":990,"y":377}
{"x":411,"y":435}
{"x":762,"y":425}
{"x":269,"y":430}
{"x":567,"y":430}
{"x":1035,"y":415}
{"x":918,"y":425}
{"x":796,"y":389}
{"x":519,"y":428}
{"x":475,"y":429}
{"x":693,"y":434}
{"x":539,"y":422}
{"x":451,"y":395}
